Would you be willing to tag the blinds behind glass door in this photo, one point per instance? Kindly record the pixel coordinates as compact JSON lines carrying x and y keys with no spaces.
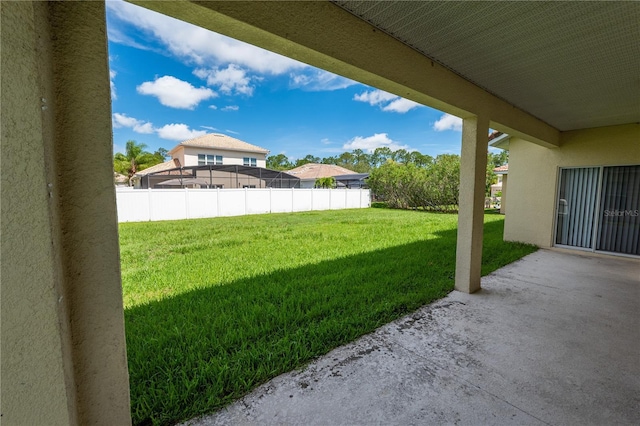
{"x":576,"y":206}
{"x":619,"y":215}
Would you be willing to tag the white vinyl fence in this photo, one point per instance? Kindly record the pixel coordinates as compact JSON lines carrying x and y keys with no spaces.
{"x":140,"y":205}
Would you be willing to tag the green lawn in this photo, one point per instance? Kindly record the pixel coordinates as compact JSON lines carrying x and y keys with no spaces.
{"x":215,"y":307}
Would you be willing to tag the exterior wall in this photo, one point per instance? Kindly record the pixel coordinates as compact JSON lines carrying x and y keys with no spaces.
{"x":533,"y":173}
{"x":188,"y":156}
{"x":63,"y":347}
{"x":36,"y":359}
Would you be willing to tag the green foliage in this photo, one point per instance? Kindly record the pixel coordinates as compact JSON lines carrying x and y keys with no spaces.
{"x":306,"y":160}
{"x":408,"y":186}
{"x":279,"y":162}
{"x":362,"y":162}
{"x":493,"y":161}
{"x":326,"y":182}
{"x":136,"y":158}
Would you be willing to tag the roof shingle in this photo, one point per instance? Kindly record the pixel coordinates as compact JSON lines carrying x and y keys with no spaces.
{"x":317,"y":171}
{"x":220,"y":141}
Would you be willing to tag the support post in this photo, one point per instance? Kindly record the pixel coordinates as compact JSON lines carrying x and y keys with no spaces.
{"x":473,"y":164}
{"x":63,"y":344}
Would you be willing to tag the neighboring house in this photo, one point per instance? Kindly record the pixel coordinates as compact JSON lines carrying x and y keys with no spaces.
{"x":214,"y":161}
{"x":218,"y":149}
{"x":120,"y":179}
{"x":499,"y":189}
{"x":500,"y":140}
{"x":352,"y":181}
{"x":310,"y":172}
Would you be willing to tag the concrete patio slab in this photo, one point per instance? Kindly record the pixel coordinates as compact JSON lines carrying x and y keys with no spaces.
{"x":552,"y":339}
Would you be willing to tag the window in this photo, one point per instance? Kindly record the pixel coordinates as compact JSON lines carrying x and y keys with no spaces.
{"x":252,"y":162}
{"x":208,"y":159}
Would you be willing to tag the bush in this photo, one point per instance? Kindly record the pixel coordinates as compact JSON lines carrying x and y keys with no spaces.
{"x":407,"y":186}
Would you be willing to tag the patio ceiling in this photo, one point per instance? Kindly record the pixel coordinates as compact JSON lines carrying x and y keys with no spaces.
{"x":571,"y":64}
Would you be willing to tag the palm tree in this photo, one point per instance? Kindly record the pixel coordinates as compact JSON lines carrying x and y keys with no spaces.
{"x":134,"y":159}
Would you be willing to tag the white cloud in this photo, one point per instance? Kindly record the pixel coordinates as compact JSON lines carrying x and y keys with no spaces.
{"x":448,"y":122}
{"x":370,"y":143}
{"x":386,"y":101}
{"x":375,"y":97}
{"x":138,"y":126}
{"x":173,"y":131}
{"x":213,"y":107}
{"x":144,"y":128}
{"x":232,"y":132}
{"x":178,"y":132}
{"x":230,"y":108}
{"x":175,"y":93}
{"x":232,"y":79}
{"x":318,"y":80}
{"x":325,"y":141}
{"x":401,"y":105}
{"x":195,"y":44}
{"x":112,"y":75}
{"x":213,"y":129}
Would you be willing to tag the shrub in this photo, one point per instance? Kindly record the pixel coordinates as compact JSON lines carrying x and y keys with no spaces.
{"x":407,"y":186}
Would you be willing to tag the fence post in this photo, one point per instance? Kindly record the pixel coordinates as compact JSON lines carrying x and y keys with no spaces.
{"x":186,"y":203}
{"x":149,"y":203}
{"x":218,"y":202}
{"x":246,"y":197}
{"x":292,"y":200}
{"x":270,"y":200}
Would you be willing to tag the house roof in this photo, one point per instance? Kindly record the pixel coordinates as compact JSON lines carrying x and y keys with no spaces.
{"x":317,"y":171}
{"x":220,"y":141}
{"x":355,"y":176}
{"x":167,"y":165}
{"x":120,"y":178}
{"x":501,"y":170}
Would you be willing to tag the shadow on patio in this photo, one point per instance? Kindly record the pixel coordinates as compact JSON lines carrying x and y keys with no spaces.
{"x":551,"y":339}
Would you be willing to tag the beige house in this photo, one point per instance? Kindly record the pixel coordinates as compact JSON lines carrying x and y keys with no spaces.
{"x":310,"y":172}
{"x":218,"y":149}
{"x":566,"y":91}
{"x":212,"y":149}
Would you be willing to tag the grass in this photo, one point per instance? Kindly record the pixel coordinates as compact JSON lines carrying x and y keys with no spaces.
{"x":215,"y":307}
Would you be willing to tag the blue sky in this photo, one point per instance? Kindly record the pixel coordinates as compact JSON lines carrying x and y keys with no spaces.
{"x":171,"y":81}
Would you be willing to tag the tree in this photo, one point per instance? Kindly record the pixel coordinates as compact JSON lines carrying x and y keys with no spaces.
{"x":493,"y":161}
{"x":409,"y":186}
{"x":162,"y":154}
{"x":326,"y":182}
{"x":279,"y":162}
{"x":306,"y":160}
{"x":135,"y":159}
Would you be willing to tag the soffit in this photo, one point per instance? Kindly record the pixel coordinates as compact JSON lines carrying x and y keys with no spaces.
{"x":574,"y":65}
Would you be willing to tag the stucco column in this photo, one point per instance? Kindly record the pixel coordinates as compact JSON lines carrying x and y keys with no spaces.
{"x":63,"y":345}
{"x":473,"y":165}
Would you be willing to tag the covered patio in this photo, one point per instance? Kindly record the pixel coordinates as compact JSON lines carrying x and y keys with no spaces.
{"x":555,"y":342}
{"x":551,"y":339}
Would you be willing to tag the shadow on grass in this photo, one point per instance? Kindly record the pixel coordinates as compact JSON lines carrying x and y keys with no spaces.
{"x":196,"y":352}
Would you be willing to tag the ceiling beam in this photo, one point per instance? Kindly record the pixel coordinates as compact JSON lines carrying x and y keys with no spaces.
{"x":323,"y":35}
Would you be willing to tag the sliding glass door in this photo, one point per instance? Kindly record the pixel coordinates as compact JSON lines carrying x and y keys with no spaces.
{"x":620,"y":210}
{"x":598,"y":208}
